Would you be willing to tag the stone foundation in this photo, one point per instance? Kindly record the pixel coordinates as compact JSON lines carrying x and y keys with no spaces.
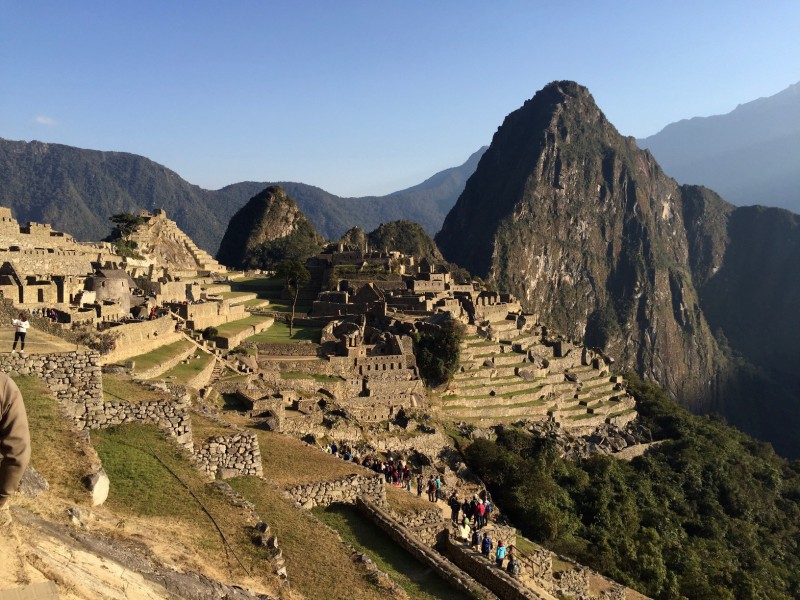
{"x":230,"y":455}
{"x":345,"y":490}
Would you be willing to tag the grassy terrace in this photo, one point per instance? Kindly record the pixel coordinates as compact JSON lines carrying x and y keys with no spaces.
{"x":118,"y":388}
{"x":403,"y":502}
{"x":204,"y":428}
{"x":56,"y":448}
{"x":319,"y":565}
{"x":267,"y":289}
{"x":182,"y":373}
{"x":149,"y":478}
{"x":234,"y":327}
{"x":526,"y":404}
{"x":418,"y":581}
{"x":278,"y":333}
{"x":161,"y":355}
{"x":289,"y":462}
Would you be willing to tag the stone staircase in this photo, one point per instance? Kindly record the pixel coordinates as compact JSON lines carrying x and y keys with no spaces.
{"x":498,"y":383}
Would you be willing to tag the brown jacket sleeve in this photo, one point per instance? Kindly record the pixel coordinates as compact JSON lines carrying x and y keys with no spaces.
{"x":15,"y":440}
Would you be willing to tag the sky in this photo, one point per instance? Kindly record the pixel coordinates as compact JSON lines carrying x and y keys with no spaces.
{"x":366,"y":97}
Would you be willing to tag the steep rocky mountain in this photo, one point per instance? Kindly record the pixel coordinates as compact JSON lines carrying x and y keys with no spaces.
{"x":76,"y":190}
{"x":407,"y":237}
{"x":592,"y":236}
{"x":268,"y":227}
{"x":749,"y":155}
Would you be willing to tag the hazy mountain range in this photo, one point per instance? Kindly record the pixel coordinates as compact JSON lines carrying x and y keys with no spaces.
{"x":76,"y":190}
{"x":749,"y":156}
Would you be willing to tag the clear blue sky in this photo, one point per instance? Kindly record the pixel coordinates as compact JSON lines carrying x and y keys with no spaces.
{"x":365,"y":97}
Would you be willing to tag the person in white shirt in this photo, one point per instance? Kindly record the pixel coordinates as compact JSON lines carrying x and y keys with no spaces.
{"x":22,"y":325}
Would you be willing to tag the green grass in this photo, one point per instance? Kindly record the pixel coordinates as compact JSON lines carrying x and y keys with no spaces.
{"x":278,"y":333}
{"x":117,"y":388}
{"x":419,"y":582}
{"x":56,"y":450}
{"x":144,"y":362}
{"x":152,"y":477}
{"x":318,"y":564}
{"x":234,"y":327}
{"x":182,"y":373}
{"x":233,"y":295}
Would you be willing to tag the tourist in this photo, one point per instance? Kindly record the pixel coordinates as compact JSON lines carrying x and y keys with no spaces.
{"x":480,"y":511}
{"x":487,"y":511}
{"x":15,"y":443}
{"x":408,"y":483}
{"x":438,"y":482}
{"x":512,"y":568}
{"x":486,"y":545}
{"x":21,"y":323}
{"x":466,"y":508}
{"x":463,"y":531}
{"x":431,"y":489}
{"x":455,"y":507}
{"x":500,"y":554}
{"x":476,"y":539}
{"x":420,"y":485}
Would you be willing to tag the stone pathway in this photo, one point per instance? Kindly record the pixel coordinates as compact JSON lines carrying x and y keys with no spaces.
{"x":36,"y":342}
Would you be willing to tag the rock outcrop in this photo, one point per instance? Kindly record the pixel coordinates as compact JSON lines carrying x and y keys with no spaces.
{"x":268,"y":218}
{"x":593,"y":238}
{"x":585,"y":228}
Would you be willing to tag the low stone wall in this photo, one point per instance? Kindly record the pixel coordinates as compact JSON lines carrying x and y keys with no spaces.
{"x":230,"y":455}
{"x":138,"y":338}
{"x":203,"y":377}
{"x":426,"y":525}
{"x":345,"y":490}
{"x":170,"y":415}
{"x":74,"y":377}
{"x":165,"y":366}
{"x":230,"y":341}
{"x":298,"y":349}
{"x":422,"y":552}
{"x":486,"y":572}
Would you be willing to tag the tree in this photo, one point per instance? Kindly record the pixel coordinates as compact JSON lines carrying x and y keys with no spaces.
{"x":125,"y":224}
{"x":294,"y":276}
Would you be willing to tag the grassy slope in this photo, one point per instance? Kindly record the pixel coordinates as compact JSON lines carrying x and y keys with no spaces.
{"x":278,"y":333}
{"x":160,"y":355}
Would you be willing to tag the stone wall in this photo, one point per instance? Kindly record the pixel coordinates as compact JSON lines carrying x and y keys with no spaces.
{"x":170,"y":415}
{"x":483,"y":570}
{"x":74,"y":377}
{"x":426,"y":525}
{"x":345,"y":490}
{"x":422,"y":552}
{"x":230,"y":455}
{"x":298,"y":349}
{"x":230,"y":341}
{"x":141,"y":337}
{"x":165,"y":366}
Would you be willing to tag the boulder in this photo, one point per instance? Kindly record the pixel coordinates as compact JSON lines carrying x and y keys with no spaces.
{"x":98,"y":485}
{"x":32,"y":483}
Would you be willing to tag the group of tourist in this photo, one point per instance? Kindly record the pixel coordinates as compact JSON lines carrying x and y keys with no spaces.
{"x":475,"y":517}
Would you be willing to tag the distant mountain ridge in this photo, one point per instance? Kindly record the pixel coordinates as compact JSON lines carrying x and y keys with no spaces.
{"x":76,"y":190}
{"x":750,"y":155}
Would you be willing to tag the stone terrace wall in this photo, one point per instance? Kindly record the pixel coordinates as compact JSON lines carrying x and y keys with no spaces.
{"x":166,"y":365}
{"x":345,"y":490}
{"x":139,"y":338}
{"x":426,"y":525}
{"x":483,"y":570}
{"x":297,"y":349}
{"x":74,"y":377}
{"x":171,"y":415}
{"x":426,"y":555}
{"x":230,"y":455}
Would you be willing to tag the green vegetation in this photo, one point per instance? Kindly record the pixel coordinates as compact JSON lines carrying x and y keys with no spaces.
{"x":294,"y":276}
{"x":184,"y":372}
{"x":416,"y":579}
{"x":151,"y":476}
{"x":438,"y":350}
{"x":234,"y":327}
{"x":406,"y":237}
{"x":56,"y":450}
{"x":320,"y":567}
{"x":118,"y":388}
{"x":159,"y":356}
{"x":303,"y":243}
{"x":709,"y":513}
{"x":278,"y":333}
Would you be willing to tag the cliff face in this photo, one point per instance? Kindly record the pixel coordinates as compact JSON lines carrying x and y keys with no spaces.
{"x":585,"y":228}
{"x":267,"y":218}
